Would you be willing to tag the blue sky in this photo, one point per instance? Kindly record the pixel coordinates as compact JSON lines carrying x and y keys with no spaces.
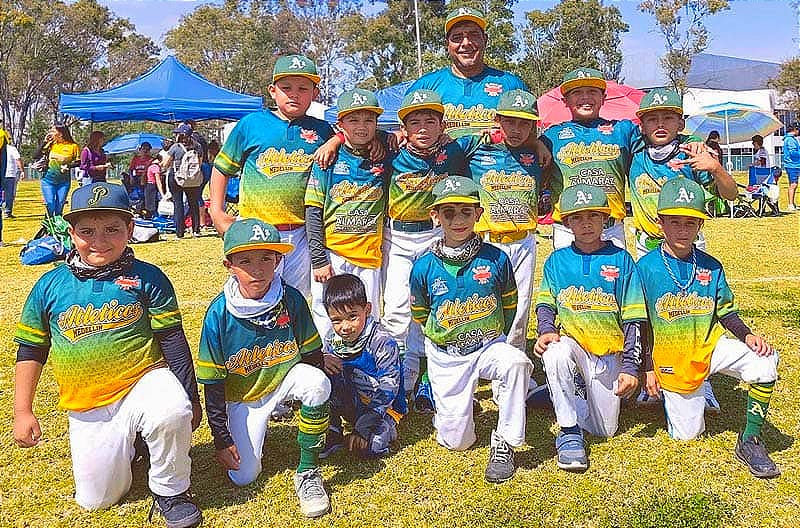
{"x":755,"y":29}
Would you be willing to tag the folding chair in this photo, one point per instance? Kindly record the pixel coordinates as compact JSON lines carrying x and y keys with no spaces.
{"x":762,"y":190}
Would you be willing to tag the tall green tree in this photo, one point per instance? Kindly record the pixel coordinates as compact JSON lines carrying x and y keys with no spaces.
{"x":787,"y":82}
{"x":682,"y":23}
{"x":571,"y":34}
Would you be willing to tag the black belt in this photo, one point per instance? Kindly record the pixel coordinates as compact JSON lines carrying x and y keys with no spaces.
{"x":411,"y":227}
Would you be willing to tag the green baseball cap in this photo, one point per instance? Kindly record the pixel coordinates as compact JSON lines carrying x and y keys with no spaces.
{"x":583,"y":198}
{"x":661,"y":99}
{"x":583,"y":77}
{"x":99,"y":197}
{"x":456,"y":189}
{"x":420,"y":100}
{"x":357,"y":99}
{"x":251,"y":233}
{"x":288,"y":65}
{"x":460,"y":15}
{"x":682,"y":197}
{"x":518,"y":103}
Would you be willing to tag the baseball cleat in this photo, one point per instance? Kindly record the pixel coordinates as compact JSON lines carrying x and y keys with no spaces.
{"x":712,"y":405}
{"x":334,"y":441}
{"x":423,"y":400}
{"x":753,"y":454}
{"x":501,"y":461}
{"x":571,"y":452}
{"x":314,"y":501}
{"x":179,"y":511}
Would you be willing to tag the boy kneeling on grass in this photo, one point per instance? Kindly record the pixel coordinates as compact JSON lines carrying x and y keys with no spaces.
{"x":363,"y":363}
{"x":111,"y":326}
{"x":594,"y":289}
{"x":690,"y":306}
{"x":464,"y":294}
{"x":259,"y":348}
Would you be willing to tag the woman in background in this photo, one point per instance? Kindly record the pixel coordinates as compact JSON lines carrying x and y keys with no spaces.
{"x":93,"y":160}
{"x":64,"y":154}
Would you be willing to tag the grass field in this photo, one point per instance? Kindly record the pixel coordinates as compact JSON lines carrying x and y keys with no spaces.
{"x":640,"y":478}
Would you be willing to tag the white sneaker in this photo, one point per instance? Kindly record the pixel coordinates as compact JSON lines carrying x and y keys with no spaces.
{"x":314,"y":501}
{"x":791,"y":208}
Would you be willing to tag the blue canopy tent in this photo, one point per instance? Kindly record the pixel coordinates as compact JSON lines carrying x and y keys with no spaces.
{"x":389,"y":98}
{"x":168,"y":92}
{"x":131,"y":142}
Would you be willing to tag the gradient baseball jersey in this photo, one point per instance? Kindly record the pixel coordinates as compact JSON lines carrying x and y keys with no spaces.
{"x":686,"y":325}
{"x":597,"y":153}
{"x":274,"y":157}
{"x":352,"y":195}
{"x":509,"y":181}
{"x":469,"y":103}
{"x":646,"y":178}
{"x":593,"y":295}
{"x":252,"y":360}
{"x":465,"y":312}
{"x":99,"y":332}
{"x":413,"y":178}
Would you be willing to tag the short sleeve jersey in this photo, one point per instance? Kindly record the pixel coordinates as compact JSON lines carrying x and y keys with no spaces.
{"x":100,"y":333}
{"x":596,"y":153}
{"x":252,"y":360}
{"x":646,"y":178}
{"x":470,"y":103}
{"x":593,"y":295}
{"x":685,"y":324}
{"x":352,"y":194}
{"x":274,"y":157}
{"x":413,"y":178}
{"x":509,"y":180}
{"x":60,"y":154}
{"x":462,"y":313}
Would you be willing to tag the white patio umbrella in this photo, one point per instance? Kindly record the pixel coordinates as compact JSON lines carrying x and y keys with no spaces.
{"x":739,"y":121}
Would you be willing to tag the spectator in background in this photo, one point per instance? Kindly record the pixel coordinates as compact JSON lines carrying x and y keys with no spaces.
{"x":14,"y":172}
{"x":63,"y":155}
{"x":213,"y":150}
{"x":94,"y":163}
{"x":183,"y":142}
{"x":3,"y":159}
{"x":200,"y":140}
{"x":760,"y":156}
{"x":791,"y":161}
{"x":139,"y":164}
{"x":153,"y":188}
{"x":713,"y":144}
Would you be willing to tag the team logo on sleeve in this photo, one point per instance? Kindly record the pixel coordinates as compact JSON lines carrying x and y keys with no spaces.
{"x":310,"y":136}
{"x":606,"y":129}
{"x":703,"y":276}
{"x":493,"y":89}
{"x":439,"y":287}
{"x":127,"y":283}
{"x":609,"y":273}
{"x":481,"y":274}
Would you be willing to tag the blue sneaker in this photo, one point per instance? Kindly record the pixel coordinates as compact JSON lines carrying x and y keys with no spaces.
{"x":571,"y":452}
{"x":423,"y":400}
{"x":712,"y":405}
{"x":334,"y":441}
{"x":179,"y":511}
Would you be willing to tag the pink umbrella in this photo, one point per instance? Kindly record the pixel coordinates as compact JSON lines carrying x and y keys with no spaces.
{"x":622,"y":102}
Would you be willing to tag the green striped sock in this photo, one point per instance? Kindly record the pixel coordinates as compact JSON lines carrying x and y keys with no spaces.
{"x":311,"y":428}
{"x":757,"y":404}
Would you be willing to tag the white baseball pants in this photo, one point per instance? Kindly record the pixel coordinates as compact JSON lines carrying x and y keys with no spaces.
{"x":372,"y":282}
{"x":400,"y":251}
{"x":599,"y":413}
{"x":295,"y":266}
{"x":248,"y":422}
{"x":101,"y":441}
{"x":454,"y":380}
{"x":563,"y":237}
{"x":522,"y":255}
{"x":685,"y":412}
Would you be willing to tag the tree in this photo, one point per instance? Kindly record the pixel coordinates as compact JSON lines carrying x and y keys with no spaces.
{"x":787,"y":83}
{"x":572,"y":34}
{"x":685,"y":34}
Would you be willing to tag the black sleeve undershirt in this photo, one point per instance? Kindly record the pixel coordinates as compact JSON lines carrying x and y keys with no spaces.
{"x":734,"y":324}
{"x":176,"y":352}
{"x":315,"y":233}
{"x":217,"y":415}
{"x":545,"y":320}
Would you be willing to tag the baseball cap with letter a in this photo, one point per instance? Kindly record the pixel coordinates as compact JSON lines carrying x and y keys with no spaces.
{"x":583,"y":77}
{"x":518,"y":103}
{"x":420,"y":100}
{"x":682,"y":197}
{"x":456,"y":189}
{"x":357,"y":99}
{"x":289,"y":65}
{"x":251,"y":233}
{"x":583,"y":197}
{"x":661,"y":99}
{"x":460,"y":15}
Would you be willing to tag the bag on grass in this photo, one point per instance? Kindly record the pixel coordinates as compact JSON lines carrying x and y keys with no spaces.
{"x":42,"y":250}
{"x":188,"y":174}
{"x":166,"y":207}
{"x":144,"y":234}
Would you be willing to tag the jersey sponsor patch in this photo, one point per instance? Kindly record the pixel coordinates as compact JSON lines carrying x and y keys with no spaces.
{"x":606,"y":129}
{"x":486,"y":160}
{"x":441,"y":157}
{"x":310,"y":136}
{"x":341,"y":167}
{"x":666,"y":370}
{"x":438,"y":287}
{"x":127,"y":283}
{"x":703,"y":276}
{"x":609,"y":273}
{"x":527,"y":159}
{"x":377,"y":168}
{"x":493,"y":89}
{"x":482,"y":274}
{"x":566,"y":134}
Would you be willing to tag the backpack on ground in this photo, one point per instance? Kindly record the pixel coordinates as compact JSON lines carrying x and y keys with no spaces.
{"x":188,"y":174}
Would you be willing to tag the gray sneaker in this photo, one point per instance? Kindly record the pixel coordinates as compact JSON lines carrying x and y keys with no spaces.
{"x":314,"y":501}
{"x":501,"y":461}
